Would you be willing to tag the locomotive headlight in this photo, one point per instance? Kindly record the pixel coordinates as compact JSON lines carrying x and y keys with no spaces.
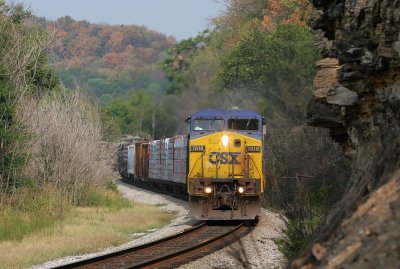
{"x":225,"y":140}
{"x":241,"y":190}
{"x":208,"y":190}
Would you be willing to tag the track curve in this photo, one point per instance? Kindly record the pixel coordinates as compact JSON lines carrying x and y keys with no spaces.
{"x":172,"y":251}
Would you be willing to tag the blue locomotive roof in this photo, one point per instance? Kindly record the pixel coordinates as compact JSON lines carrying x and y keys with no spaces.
{"x":226,"y":113}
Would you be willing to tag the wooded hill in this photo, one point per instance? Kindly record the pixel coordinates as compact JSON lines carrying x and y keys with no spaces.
{"x":106,"y":60}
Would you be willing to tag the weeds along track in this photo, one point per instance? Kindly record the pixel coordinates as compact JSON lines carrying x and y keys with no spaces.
{"x":172,"y":251}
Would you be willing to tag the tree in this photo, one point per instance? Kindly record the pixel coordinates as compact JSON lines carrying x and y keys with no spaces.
{"x":177,"y":63}
{"x":279,"y":65}
{"x":24,"y":72}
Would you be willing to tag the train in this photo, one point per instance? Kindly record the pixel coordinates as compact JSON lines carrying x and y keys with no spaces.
{"x":218,"y":165}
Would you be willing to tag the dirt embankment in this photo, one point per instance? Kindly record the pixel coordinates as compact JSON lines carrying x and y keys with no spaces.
{"x":357,"y":96}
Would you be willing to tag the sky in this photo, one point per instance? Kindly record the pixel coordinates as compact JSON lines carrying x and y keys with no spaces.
{"x":179,"y":18}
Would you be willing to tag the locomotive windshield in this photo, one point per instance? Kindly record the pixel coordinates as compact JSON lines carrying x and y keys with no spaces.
{"x":208,"y":124}
{"x":244,"y":124}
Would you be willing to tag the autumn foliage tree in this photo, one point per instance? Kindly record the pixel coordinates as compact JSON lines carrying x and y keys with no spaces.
{"x":106,"y":60}
{"x":284,"y":12}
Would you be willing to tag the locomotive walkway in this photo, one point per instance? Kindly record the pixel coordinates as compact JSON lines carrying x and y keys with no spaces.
{"x":172,"y":251}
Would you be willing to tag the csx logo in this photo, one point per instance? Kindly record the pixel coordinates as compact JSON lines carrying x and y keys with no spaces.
{"x":224,"y":157}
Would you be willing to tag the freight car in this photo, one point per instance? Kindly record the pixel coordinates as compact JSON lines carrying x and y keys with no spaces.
{"x":218,"y":165}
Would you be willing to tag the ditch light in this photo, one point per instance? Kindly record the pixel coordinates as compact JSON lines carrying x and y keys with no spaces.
{"x":208,"y":190}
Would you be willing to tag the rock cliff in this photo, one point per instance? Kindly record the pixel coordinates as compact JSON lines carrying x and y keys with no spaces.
{"x":357,"y":96}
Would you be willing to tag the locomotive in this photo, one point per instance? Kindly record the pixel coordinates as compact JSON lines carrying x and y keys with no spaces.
{"x":218,"y":164}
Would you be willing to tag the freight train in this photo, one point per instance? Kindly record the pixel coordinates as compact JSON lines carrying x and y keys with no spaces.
{"x":218,"y":164}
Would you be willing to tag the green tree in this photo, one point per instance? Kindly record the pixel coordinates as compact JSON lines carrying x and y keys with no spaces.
{"x":279,"y":65}
{"x":11,"y":159}
{"x":177,"y":63}
{"x":132,"y":114}
{"x":140,"y":113}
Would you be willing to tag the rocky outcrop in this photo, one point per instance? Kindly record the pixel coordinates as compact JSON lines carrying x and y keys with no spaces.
{"x":357,"y":96}
{"x":369,"y":237}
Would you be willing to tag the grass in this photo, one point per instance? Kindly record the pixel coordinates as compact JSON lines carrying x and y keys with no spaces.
{"x":81,"y":230}
{"x":105,"y":198}
{"x":29,"y":211}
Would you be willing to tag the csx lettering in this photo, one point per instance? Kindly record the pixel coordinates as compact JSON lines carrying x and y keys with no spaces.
{"x":224,"y":157}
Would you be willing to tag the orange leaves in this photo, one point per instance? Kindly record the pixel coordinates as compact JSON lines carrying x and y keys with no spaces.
{"x":286,"y":11}
{"x":82,"y":46}
{"x":114,"y":59}
{"x":275,"y":6}
{"x":267,"y":22}
{"x":118,"y":41}
{"x":85,"y":50}
{"x":298,"y":17}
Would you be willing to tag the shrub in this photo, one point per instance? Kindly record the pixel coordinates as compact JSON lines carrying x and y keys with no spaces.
{"x":66,"y":148}
{"x":301,"y":224}
{"x":23,"y":70}
{"x":307,"y":176}
{"x":305,"y":166}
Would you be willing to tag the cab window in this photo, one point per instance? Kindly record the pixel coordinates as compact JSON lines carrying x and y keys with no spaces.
{"x":244,"y":124}
{"x":208,"y":125}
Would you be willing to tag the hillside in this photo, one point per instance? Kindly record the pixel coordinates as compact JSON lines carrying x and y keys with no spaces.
{"x":106,"y":60}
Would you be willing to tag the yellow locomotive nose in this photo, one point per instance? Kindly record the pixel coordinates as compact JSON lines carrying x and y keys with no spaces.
{"x":225,"y":179}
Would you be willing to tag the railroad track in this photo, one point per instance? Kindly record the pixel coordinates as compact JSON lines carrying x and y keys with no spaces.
{"x":169,"y":252}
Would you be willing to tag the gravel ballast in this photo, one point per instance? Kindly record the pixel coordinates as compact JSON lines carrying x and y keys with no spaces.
{"x":257,"y":249}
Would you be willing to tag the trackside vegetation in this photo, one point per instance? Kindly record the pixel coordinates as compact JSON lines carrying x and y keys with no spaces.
{"x":102,"y":220}
{"x":55,"y":168}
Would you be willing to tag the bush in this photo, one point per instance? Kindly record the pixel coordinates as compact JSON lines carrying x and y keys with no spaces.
{"x":305,"y":166}
{"x":66,"y":148}
{"x":300,"y":227}
{"x":307,"y":176}
{"x":23,"y":70}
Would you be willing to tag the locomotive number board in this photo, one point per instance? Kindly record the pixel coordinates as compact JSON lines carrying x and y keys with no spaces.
{"x":197,"y":148}
{"x":253,"y":149}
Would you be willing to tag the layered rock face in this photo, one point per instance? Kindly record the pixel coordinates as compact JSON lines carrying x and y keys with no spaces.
{"x":357,"y":96}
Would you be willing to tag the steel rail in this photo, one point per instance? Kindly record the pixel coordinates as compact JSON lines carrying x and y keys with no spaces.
{"x":183,"y":251}
{"x":129,"y":250}
{"x":126,"y":258}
